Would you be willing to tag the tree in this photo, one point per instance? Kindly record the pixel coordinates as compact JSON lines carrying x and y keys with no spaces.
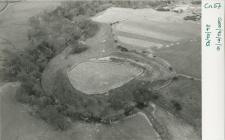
{"x":176,"y":105}
{"x":142,"y":96}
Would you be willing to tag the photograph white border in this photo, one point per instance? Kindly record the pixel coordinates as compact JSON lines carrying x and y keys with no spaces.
{"x":212,"y":70}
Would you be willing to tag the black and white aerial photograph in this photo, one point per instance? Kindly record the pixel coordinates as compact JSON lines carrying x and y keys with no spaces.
{"x":100,"y":70}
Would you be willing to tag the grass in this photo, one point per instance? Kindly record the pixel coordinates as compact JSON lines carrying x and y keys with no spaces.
{"x":101,"y":76}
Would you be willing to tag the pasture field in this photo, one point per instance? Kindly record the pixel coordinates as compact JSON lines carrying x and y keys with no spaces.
{"x":187,"y":93}
{"x":189,"y":54}
{"x":176,"y":127}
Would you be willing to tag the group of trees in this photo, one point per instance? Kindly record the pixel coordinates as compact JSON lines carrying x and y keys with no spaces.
{"x":132,"y":95}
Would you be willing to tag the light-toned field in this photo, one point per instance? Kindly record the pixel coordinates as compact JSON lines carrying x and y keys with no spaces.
{"x":138,"y":42}
{"x":139,"y":30}
{"x":147,"y":28}
{"x":114,"y":14}
{"x":96,"y":77}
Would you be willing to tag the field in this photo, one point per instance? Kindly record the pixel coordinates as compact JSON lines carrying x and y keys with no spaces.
{"x":176,"y":127}
{"x":189,"y":96}
{"x":128,"y":129}
{"x":161,"y":42}
{"x":101,"y":76}
{"x":147,"y":29}
{"x":189,"y":54}
{"x":14,"y":20}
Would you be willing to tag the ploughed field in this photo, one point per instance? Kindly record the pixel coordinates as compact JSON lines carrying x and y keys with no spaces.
{"x":147,"y":29}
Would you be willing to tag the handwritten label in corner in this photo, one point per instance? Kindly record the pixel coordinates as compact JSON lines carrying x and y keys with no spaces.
{"x":212,"y":22}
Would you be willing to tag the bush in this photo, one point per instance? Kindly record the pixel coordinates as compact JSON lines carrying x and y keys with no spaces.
{"x":142,"y":96}
{"x":175,"y":78}
{"x":176,"y":105}
{"x":78,"y":49}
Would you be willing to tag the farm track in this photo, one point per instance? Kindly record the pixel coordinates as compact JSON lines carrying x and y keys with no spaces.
{"x":189,"y":77}
{"x":159,"y":128}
